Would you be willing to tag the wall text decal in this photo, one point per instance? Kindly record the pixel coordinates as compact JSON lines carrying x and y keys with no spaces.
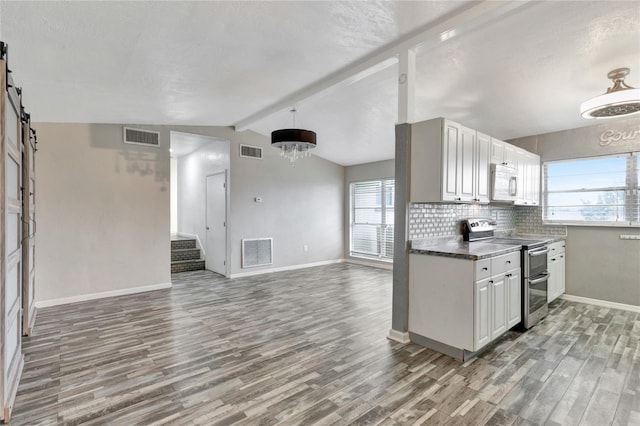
{"x":609,"y":137}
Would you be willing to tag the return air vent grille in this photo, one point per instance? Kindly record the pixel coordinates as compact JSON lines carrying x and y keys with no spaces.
{"x":247,"y":151}
{"x":141,"y":137}
{"x":257,"y":252}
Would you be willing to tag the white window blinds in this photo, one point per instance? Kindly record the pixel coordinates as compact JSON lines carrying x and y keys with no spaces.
{"x":372,"y":218}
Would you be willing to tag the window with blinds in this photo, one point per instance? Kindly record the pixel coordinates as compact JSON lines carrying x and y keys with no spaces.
{"x":372,"y":218}
{"x":593,"y":191}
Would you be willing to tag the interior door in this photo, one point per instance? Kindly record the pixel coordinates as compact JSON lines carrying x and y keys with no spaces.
{"x":216,"y":223}
{"x":28,"y":227}
{"x":10,"y":242}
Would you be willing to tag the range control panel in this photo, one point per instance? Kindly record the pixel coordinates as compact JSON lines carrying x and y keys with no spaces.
{"x":480,"y":224}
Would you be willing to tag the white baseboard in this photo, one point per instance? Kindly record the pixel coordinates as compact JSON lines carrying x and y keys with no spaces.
{"x":198,"y":243}
{"x":381,"y":265}
{"x":101,"y":295}
{"x":603,"y":303}
{"x":285,"y":268}
{"x":399,"y":336}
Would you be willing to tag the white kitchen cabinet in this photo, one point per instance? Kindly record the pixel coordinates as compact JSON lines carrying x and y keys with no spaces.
{"x":514,"y":294}
{"x":462,"y":303}
{"x":482,"y":313}
{"x":498,"y":287}
{"x":482,"y":172}
{"x":528,"y":179}
{"x":503,"y":153}
{"x":448,"y":163}
{"x":556,"y":266}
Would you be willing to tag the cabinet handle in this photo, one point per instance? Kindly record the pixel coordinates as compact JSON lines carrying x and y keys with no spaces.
{"x":508,"y":261}
{"x":457,"y":198}
{"x":509,"y":275}
{"x":490,"y":281}
{"x":485,"y":269}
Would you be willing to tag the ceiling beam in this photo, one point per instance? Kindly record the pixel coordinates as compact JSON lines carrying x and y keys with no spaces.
{"x":454,"y":24}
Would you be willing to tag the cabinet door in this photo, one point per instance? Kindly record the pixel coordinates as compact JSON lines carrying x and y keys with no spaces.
{"x":552,"y":283}
{"x":534,"y":180}
{"x":514,"y":297}
{"x":561,"y":275}
{"x":482,"y":314}
{"x":450,"y":182}
{"x":497,"y":151}
{"x":498,"y":295}
{"x":466,"y":164}
{"x":510,"y":156}
{"x":483,"y":154}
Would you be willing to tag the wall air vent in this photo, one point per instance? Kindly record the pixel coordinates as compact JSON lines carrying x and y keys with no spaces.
{"x":247,"y":151}
{"x":257,"y":252}
{"x":141,"y":137}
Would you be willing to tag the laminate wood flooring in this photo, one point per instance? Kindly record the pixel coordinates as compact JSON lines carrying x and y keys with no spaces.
{"x":309,"y":347}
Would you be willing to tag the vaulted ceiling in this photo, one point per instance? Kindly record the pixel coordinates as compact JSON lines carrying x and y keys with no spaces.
{"x":515,"y":73}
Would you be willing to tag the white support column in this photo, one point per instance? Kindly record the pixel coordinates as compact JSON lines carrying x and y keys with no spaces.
{"x":406,"y":86}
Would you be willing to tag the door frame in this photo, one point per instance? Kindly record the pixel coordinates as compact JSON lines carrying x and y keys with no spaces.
{"x":227,"y":214}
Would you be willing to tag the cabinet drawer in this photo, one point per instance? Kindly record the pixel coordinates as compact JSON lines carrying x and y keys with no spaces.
{"x":483,"y":269}
{"x":505,"y":262}
{"x":556,"y":248}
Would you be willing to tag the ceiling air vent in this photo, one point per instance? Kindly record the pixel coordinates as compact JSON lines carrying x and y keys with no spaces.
{"x":257,"y":252}
{"x":141,"y":137}
{"x":247,"y":151}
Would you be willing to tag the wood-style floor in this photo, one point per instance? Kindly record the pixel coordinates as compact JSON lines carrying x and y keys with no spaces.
{"x":309,"y":347}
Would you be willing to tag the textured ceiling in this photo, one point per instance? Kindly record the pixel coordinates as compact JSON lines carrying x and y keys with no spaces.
{"x":216,"y":63}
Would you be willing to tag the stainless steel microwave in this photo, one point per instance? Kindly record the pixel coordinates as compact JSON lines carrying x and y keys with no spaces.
{"x":504,"y":183}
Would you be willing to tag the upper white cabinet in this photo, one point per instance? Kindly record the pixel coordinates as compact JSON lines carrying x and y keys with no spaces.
{"x":528,"y":179}
{"x":449,"y":162}
{"x":528,"y":166}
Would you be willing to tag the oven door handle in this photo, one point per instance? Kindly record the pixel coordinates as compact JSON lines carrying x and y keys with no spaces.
{"x":538,"y":252}
{"x":539,"y":280}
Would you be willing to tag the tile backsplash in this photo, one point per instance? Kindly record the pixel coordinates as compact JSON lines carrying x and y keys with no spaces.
{"x":427,"y":220}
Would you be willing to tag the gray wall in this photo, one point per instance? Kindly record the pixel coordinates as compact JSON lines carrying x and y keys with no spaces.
{"x":598,"y":264}
{"x":357,"y":173}
{"x":193,"y":170}
{"x":103,"y":207}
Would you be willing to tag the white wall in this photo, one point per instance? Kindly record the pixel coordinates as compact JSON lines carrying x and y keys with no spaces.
{"x":174,"y":195}
{"x":598,"y":264}
{"x":193,"y":170}
{"x":103,"y":208}
{"x":102,"y":211}
{"x":357,"y":173}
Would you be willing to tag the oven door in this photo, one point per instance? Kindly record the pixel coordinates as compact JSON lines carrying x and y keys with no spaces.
{"x":536,"y":262}
{"x":536,"y":306}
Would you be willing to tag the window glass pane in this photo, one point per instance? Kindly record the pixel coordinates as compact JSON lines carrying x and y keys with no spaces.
{"x":605,"y":172}
{"x":367,"y":216}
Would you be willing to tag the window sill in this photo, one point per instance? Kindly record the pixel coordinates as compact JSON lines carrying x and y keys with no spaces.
{"x":594,"y":224}
{"x":372,"y":258}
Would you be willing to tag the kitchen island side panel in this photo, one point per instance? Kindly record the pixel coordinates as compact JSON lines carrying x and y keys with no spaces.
{"x":441,"y":299}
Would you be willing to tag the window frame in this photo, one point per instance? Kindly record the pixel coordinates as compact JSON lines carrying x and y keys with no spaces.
{"x":631,"y":191}
{"x":383,"y":214}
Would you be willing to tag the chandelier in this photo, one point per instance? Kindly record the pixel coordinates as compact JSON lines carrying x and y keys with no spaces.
{"x":619,"y":100}
{"x":293,"y":143}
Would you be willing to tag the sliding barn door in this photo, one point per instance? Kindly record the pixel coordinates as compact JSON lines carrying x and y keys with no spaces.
{"x":28,"y":226}
{"x":10,"y":240}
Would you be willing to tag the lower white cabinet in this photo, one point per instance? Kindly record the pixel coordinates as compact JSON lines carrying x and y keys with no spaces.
{"x":556,"y":267}
{"x":497,"y":306}
{"x":461,"y":303}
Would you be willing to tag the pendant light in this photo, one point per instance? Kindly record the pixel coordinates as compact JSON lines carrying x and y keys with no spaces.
{"x":293,"y":143}
{"x":620,"y":99}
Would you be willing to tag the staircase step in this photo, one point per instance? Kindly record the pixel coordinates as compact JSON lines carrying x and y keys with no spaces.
{"x":183,"y":243}
{"x":187,"y":265}
{"x":185,"y":254}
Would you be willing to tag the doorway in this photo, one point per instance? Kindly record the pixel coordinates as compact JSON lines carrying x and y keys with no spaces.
{"x":216,"y":223}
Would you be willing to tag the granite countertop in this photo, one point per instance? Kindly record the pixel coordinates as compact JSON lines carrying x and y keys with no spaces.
{"x":461,"y":249}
